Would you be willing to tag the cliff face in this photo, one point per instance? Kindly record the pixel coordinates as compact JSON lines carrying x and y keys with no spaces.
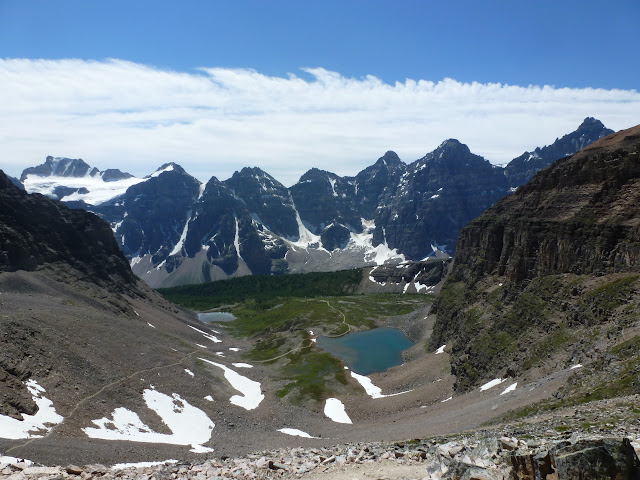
{"x":543,"y":274}
{"x":582,"y":215}
{"x":36,"y":232}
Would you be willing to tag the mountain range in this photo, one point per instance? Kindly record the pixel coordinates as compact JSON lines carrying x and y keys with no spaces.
{"x":175,"y":230}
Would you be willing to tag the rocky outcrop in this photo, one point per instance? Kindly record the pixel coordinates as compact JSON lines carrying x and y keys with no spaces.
{"x":539,"y":270}
{"x":579,"y":216}
{"x":600,"y":459}
{"x":36,"y":232}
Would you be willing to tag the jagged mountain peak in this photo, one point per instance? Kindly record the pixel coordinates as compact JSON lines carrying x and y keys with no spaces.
{"x":168,"y":167}
{"x":253,"y":179}
{"x":590,"y":122}
{"x":390,"y":157}
{"x":521,"y":169}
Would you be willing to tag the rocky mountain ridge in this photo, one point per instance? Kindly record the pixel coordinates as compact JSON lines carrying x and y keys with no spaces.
{"x":548,"y":277}
{"x":175,"y":230}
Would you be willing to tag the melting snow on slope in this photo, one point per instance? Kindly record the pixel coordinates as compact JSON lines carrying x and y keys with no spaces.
{"x":123,"y":466}
{"x":379,"y":254}
{"x":242,"y":365}
{"x":446,"y":399}
{"x":305,"y":237}
{"x":178,"y":246}
{"x":189,"y":425}
{"x":189,"y":372}
{"x":160,"y":171}
{"x":334,"y":409}
{"x":510,"y":388}
{"x":576,"y":366}
{"x":372,"y":390}
{"x":251,"y":392}
{"x":491,"y":384}
{"x":206,"y":335}
{"x":36,"y":425}
{"x":441,"y":349}
{"x":295,"y":432}
{"x":99,"y":190}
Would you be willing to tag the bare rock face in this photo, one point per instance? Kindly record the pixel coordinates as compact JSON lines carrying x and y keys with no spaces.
{"x":36,"y":231}
{"x":579,"y":216}
{"x":508,"y":307}
{"x":602,"y":459}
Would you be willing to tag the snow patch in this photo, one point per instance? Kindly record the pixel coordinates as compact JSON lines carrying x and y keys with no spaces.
{"x":510,"y":388}
{"x":123,"y":466}
{"x":334,"y":409}
{"x":209,"y":398}
{"x":242,"y":365}
{"x":189,"y":372}
{"x":189,"y":425}
{"x":372,"y":390}
{"x":295,"y":432}
{"x":36,"y":425}
{"x":446,"y":399}
{"x":441,"y":349}
{"x":251,"y":392}
{"x":491,"y":384}
{"x":576,"y":366}
{"x":206,"y":335}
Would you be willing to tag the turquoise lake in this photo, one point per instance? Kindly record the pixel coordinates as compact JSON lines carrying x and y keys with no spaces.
{"x":208,"y":317}
{"x":369,"y":351}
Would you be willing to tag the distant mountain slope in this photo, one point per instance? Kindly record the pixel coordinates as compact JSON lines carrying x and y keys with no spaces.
{"x":175,"y":230}
{"x":548,"y":277}
{"x":521,"y":169}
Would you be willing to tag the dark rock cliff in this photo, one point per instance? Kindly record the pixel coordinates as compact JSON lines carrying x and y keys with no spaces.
{"x":539,"y":274}
{"x":436,"y":196}
{"x":36,"y":232}
{"x":582,"y":215}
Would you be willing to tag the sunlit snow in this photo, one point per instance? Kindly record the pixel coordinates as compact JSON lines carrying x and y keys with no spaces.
{"x":251,"y":392}
{"x":334,"y":409}
{"x":36,"y":425}
{"x":295,"y":432}
{"x":206,"y":335}
{"x":491,"y":384}
{"x":99,"y":190}
{"x":189,"y":425}
{"x":576,"y":366}
{"x":122,"y":466}
{"x":242,"y":365}
{"x":441,"y":349}
{"x":372,"y":390}
{"x":510,"y":388}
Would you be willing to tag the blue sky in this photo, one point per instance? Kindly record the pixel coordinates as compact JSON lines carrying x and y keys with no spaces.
{"x":587,"y":51}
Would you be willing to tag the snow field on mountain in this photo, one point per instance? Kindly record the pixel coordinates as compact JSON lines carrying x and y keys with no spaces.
{"x":99,"y":191}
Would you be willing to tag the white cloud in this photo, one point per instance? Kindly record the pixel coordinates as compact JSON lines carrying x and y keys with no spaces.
{"x":118,"y":114}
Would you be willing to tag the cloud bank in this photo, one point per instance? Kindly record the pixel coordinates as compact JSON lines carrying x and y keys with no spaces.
{"x":213,"y":121}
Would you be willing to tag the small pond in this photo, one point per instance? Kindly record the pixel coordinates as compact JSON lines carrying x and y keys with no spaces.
{"x":209,"y":317}
{"x":369,"y":351}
